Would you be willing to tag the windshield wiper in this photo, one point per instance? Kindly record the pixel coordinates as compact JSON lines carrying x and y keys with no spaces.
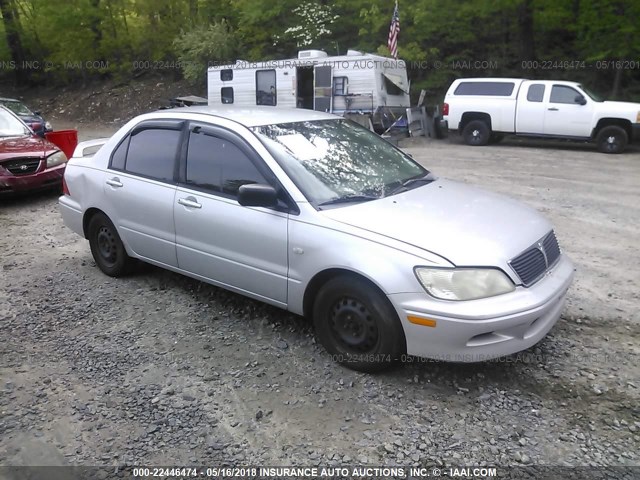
{"x":348,"y":199}
{"x":404,"y":186}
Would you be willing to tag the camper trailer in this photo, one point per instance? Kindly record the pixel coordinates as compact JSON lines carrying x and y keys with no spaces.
{"x":357,"y":82}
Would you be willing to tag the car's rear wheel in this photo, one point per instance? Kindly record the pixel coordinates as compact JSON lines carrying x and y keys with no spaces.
{"x":612,"y":139}
{"x":106,"y":247}
{"x":476,"y":133}
{"x":357,"y":325}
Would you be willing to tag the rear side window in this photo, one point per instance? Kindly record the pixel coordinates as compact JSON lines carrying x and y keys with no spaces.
{"x":563,"y":94}
{"x":119,"y":155}
{"x":219,"y":166}
{"x":497,"y":89}
{"x":152,"y":153}
{"x":535,"y":92}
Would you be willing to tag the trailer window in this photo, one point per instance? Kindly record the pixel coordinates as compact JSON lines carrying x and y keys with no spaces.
{"x":536,"y":92}
{"x":392,"y":88}
{"x":226,"y":94}
{"x":340,"y":85}
{"x":226,"y":75}
{"x":266,"y":87}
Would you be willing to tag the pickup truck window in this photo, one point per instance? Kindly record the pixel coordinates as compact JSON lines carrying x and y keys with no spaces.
{"x":535,"y":92}
{"x":563,"y":94}
{"x":496,"y":89}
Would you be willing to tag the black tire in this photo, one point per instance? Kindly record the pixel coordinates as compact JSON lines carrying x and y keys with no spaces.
{"x":496,"y":138}
{"x":476,"y":133}
{"x":437,"y":128}
{"x":107,"y":248}
{"x":357,"y":325}
{"x":612,"y":139}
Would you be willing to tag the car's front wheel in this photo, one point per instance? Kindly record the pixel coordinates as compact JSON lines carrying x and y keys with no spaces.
{"x":106,"y":247}
{"x":357,"y":325}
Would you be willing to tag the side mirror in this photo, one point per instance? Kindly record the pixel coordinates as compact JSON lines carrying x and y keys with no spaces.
{"x":580,"y":100}
{"x":36,"y":112}
{"x":257,"y":195}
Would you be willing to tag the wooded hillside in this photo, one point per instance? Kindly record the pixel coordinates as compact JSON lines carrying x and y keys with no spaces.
{"x":62,"y":42}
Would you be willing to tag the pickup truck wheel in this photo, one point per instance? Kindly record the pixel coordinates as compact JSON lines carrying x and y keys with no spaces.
{"x":106,"y":247}
{"x":357,"y":325}
{"x":612,"y":139}
{"x":476,"y":133}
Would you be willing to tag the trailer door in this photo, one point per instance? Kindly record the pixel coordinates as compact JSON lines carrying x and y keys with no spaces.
{"x":322,"y":88}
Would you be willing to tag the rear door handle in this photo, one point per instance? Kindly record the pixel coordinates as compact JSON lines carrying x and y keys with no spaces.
{"x":114,"y":182}
{"x":190,"y":202}
{"x":552,"y":109}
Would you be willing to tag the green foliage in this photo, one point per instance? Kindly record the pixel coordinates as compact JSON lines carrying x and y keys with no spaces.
{"x":116,"y":35}
{"x":202,"y":45}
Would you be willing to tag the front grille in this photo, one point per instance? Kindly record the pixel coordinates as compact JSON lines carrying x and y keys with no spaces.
{"x":22,"y":166}
{"x":533,"y":262}
{"x":551,"y":248}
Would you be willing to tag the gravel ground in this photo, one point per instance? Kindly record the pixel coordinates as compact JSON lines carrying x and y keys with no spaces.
{"x":157,"y":368}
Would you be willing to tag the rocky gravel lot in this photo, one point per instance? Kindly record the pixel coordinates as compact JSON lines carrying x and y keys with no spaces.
{"x":157,"y":368}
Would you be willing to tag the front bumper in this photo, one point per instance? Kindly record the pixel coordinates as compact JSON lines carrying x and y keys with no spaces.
{"x":49,"y":178}
{"x":479,"y":330}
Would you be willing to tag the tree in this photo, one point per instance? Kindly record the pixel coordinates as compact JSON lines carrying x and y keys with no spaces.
{"x":14,"y":40}
{"x":196,"y":49}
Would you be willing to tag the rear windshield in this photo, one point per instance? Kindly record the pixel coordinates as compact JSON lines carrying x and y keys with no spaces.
{"x":497,"y":89}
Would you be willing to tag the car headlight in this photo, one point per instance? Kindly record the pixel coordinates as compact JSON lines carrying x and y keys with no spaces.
{"x":56,"y":159}
{"x":47,"y":126}
{"x":464,"y":283}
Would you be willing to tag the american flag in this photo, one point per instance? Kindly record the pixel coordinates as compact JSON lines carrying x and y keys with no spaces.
{"x":394,"y":30}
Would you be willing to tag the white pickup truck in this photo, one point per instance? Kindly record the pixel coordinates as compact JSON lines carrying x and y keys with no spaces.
{"x":484,"y":109}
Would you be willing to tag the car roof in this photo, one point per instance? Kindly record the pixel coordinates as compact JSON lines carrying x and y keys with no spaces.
{"x":256,"y":116}
{"x":5,"y":99}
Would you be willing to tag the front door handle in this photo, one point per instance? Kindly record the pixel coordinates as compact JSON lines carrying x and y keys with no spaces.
{"x":552,"y":109}
{"x":190,"y":202}
{"x":114,"y":182}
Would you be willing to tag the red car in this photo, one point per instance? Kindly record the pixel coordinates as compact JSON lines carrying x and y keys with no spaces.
{"x":27,"y":161}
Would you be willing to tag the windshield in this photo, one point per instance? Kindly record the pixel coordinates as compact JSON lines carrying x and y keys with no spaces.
{"x":18,"y":108}
{"x":593,"y":96}
{"x":332,"y":160}
{"x":10,"y":126}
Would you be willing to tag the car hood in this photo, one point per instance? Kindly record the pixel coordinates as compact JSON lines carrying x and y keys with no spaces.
{"x":466,"y":225}
{"x":26,"y":146}
{"x":623,"y":107}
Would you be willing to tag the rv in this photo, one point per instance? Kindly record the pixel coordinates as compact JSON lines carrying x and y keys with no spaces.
{"x":355,"y":83}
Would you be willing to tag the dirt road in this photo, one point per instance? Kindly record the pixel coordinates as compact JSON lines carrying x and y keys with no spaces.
{"x":160,"y":369}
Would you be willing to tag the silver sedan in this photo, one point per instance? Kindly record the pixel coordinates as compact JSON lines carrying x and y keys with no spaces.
{"x":321,"y":217}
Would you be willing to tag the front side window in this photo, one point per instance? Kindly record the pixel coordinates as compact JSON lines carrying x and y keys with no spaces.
{"x":266,"y":87}
{"x":152,"y":153}
{"x":217,"y":165}
{"x":535,"y":92}
{"x":563,"y":94}
{"x":338,"y":160}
